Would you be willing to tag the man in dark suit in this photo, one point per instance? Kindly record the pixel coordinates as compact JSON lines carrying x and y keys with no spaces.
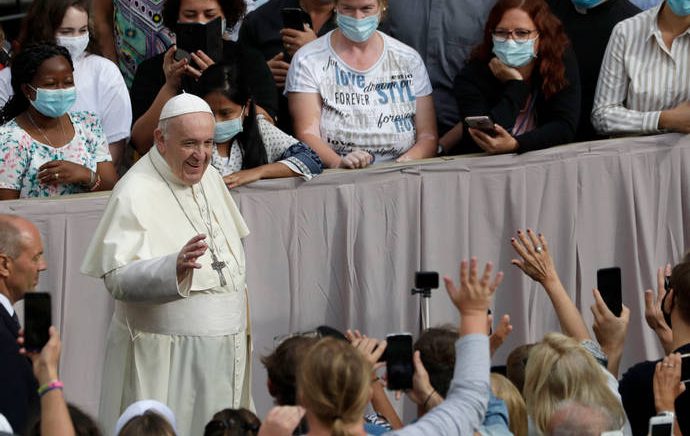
{"x":21,"y":261}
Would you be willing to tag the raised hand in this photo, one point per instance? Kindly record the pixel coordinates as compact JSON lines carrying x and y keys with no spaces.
{"x":188,"y":255}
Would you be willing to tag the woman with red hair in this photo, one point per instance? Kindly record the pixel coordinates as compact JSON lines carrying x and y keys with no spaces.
{"x":524,"y":77}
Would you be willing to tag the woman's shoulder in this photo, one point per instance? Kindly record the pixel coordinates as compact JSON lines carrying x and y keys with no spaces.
{"x":399,"y":47}
{"x":88,"y":122}
{"x":317,"y":47}
{"x":98,"y":64}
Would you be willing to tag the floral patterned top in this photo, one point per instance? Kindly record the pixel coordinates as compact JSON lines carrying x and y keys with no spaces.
{"x":21,"y":155}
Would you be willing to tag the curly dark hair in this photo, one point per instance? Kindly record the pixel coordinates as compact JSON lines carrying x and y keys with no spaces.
{"x":436,"y":347}
{"x":24,"y":68}
{"x":233,"y":422}
{"x":44,"y":18}
{"x":281,"y":366}
{"x":233,"y":10}
{"x":552,"y":41}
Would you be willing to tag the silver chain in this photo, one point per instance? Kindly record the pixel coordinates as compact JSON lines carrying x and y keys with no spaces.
{"x":209,"y":226}
{"x":44,"y":133}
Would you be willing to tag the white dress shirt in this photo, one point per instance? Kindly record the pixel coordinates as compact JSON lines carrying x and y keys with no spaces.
{"x":640,"y":76}
{"x":7,"y":304}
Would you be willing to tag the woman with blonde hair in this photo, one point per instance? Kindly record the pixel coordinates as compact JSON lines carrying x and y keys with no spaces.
{"x":560,"y":368}
{"x":504,"y":389}
{"x":334,"y":385}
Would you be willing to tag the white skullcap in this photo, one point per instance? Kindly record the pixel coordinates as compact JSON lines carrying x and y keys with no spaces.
{"x":184,"y":104}
{"x":141,"y":407}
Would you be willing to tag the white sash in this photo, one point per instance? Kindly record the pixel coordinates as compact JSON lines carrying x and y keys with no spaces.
{"x":198,"y":315}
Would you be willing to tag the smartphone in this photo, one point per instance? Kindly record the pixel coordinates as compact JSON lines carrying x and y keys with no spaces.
{"x":399,"y":367}
{"x":426,"y":280}
{"x":685,"y":368}
{"x":207,"y":37}
{"x":294,"y":18}
{"x":37,"y":320}
{"x":483,"y":123}
{"x":609,"y":285}
{"x":661,"y":426}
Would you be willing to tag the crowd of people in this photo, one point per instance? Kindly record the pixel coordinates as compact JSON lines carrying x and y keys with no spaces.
{"x":356,"y":83}
{"x":323,"y":381}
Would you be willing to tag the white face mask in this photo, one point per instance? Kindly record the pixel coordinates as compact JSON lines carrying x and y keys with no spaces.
{"x":74,"y":44}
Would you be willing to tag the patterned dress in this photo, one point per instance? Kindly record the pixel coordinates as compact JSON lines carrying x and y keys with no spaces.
{"x":21,"y":155}
{"x":139,"y":33}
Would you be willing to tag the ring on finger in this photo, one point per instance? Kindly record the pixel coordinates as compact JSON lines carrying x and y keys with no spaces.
{"x":184,"y":257}
{"x":538,"y":248}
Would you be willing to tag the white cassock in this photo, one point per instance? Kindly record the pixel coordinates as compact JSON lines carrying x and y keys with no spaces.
{"x":185,"y":345}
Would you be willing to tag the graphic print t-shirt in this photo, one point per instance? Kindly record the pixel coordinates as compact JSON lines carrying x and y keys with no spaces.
{"x":374,"y":109}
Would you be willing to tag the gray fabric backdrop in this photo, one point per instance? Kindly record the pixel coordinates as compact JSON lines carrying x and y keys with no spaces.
{"x":342,"y":249}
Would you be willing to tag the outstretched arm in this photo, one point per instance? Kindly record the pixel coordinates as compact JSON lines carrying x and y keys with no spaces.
{"x":536,"y":262}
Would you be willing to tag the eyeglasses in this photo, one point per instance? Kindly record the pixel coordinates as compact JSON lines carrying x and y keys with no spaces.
{"x":277,"y":340}
{"x":520,"y":35}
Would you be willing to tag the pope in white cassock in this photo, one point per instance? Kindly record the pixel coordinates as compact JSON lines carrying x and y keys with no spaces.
{"x":169,"y":250}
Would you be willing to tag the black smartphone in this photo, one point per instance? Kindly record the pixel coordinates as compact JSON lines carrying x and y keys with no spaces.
{"x":294,"y":18}
{"x":426,"y":280}
{"x":37,"y":320}
{"x":399,"y":366}
{"x":609,"y":285}
{"x":483,"y":123}
{"x":685,"y":368}
{"x":207,"y":37}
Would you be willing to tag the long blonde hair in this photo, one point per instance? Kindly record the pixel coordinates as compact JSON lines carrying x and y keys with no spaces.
{"x":334,"y":384}
{"x":558,"y":369}
{"x":517,"y":410}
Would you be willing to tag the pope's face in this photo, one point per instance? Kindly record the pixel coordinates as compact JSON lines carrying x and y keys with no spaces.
{"x":186,"y":145}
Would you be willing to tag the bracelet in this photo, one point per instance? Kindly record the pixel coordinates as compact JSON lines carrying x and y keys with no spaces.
{"x":55,"y":384}
{"x":97,"y":183}
{"x":431,"y":394}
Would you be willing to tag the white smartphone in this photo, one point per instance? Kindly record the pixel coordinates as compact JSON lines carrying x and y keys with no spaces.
{"x":661,"y":425}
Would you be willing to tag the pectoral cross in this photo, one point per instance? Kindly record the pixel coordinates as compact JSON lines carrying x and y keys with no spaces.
{"x":218,"y":266}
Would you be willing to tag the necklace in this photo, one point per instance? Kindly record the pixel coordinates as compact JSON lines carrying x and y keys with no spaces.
{"x":217,"y":265}
{"x":44,"y":133}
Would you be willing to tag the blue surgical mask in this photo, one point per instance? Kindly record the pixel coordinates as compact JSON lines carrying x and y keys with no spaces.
{"x":587,"y":4}
{"x":54,"y":102}
{"x":680,"y":7}
{"x":514,"y":54}
{"x":226,"y":130}
{"x":357,"y":30}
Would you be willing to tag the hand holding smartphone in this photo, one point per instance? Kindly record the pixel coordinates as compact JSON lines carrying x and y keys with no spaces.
{"x":609,"y":285}
{"x":37,"y":320}
{"x":483,"y":123}
{"x":399,"y":365}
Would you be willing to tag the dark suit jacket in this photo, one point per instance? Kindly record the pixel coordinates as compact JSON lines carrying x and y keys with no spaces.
{"x":18,"y":396}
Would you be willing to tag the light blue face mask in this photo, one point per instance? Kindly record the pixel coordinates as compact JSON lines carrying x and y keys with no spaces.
{"x":680,"y":7}
{"x":226,"y":130}
{"x":53,"y":102}
{"x":357,"y":30}
{"x":514,"y":54}
{"x":587,"y":4}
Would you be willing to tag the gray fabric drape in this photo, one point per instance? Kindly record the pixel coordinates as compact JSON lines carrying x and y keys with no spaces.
{"x":342,"y":249}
